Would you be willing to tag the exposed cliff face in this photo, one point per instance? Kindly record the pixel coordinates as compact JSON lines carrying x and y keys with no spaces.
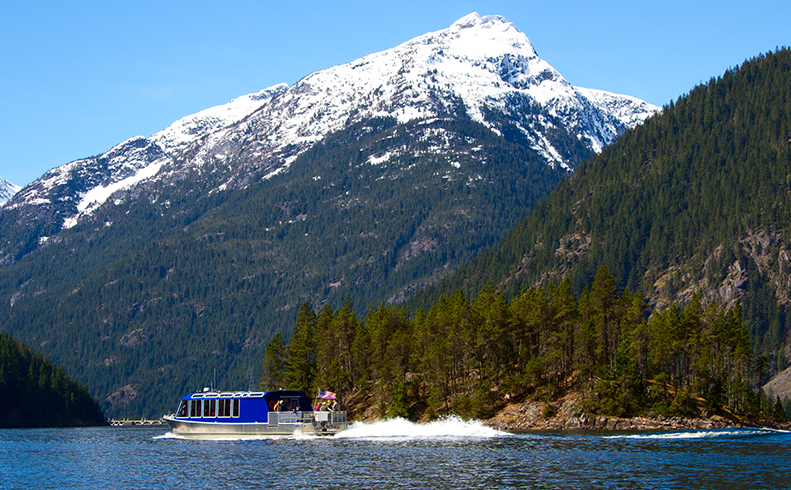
{"x":719,"y":275}
{"x":779,"y":386}
{"x":722,"y":276}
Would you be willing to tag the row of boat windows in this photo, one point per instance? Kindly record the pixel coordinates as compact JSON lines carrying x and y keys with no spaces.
{"x":208,"y":408}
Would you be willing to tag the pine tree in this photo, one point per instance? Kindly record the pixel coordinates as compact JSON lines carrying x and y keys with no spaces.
{"x":274,"y":364}
{"x":301,"y":351}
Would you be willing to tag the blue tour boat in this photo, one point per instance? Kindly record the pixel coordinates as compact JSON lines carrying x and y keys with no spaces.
{"x":252,"y":413}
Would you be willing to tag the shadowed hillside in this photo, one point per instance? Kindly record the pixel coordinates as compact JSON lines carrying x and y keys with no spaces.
{"x":36,"y":393}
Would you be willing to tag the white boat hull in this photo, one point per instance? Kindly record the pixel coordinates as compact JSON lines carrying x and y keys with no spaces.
{"x":303,"y":426}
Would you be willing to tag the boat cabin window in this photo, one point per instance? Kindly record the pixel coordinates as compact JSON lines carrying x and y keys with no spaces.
{"x":288,"y":405}
{"x":224,"y":407}
{"x":195,"y":408}
{"x":287,"y":401}
{"x":209,"y":407}
{"x":182,"y":411}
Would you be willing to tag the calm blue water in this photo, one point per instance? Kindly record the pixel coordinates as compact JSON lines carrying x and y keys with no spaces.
{"x":396,"y":454}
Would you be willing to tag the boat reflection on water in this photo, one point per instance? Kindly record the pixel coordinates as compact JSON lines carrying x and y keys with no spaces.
{"x":252,"y":413}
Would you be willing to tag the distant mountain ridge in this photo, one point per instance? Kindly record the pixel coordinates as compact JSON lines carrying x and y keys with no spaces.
{"x":151,"y":267}
{"x":67,"y":192}
{"x":7,"y":190}
{"x":482,"y":66}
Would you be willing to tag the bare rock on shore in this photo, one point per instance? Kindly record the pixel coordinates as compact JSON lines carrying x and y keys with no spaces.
{"x":566,"y":414}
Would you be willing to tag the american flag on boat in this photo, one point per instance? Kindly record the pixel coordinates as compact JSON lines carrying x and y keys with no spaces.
{"x":326,"y":395}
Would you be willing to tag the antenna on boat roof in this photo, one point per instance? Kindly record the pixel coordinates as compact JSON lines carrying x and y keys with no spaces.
{"x":214,"y":380}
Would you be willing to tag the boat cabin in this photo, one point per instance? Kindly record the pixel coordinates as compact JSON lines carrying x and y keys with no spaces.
{"x":240,"y":407}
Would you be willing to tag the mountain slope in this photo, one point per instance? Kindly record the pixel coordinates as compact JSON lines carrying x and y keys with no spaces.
{"x":695,"y":201}
{"x":482,"y":66}
{"x":66,"y":193}
{"x":37,"y":393}
{"x":174,"y":290}
{"x":172,"y":259}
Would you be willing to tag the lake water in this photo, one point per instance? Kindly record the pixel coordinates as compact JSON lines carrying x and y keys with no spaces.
{"x":396,"y":454}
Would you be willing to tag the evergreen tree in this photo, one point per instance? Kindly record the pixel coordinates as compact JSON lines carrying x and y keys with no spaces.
{"x":468,"y":357}
{"x":301,"y":351}
{"x":36,"y":393}
{"x":274,"y":363}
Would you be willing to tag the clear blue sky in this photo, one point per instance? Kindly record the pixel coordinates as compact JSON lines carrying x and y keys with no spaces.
{"x":76,"y":78}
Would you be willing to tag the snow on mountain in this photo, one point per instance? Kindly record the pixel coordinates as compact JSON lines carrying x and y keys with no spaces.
{"x":188,"y":129}
{"x":7,"y":190}
{"x":484,"y":62}
{"x":629,"y":110}
{"x":87,"y":183}
{"x":480,"y":66}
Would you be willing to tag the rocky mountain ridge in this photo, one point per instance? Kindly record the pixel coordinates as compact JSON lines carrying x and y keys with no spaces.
{"x":482,"y":67}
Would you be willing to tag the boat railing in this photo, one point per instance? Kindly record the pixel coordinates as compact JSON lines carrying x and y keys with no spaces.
{"x":333,"y":417}
{"x":277,"y":418}
{"x":292,"y":417}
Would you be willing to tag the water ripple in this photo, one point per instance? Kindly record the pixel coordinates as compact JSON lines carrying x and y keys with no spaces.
{"x":396,"y":454}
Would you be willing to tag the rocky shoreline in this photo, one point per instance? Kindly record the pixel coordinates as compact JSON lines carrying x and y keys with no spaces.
{"x":565,"y":414}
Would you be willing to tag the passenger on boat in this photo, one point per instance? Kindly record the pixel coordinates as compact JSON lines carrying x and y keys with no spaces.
{"x":336,"y":407}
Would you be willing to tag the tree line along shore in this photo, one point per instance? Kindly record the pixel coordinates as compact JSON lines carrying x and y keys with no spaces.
{"x":583,"y":359}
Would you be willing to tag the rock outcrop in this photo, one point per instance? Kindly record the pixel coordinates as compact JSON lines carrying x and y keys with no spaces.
{"x":566,"y":414}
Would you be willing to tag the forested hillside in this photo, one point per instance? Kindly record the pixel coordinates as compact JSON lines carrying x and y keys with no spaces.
{"x":696,"y":201}
{"x":471,"y":357}
{"x":150,"y":298}
{"x":171,"y":260}
{"x":37,"y":393}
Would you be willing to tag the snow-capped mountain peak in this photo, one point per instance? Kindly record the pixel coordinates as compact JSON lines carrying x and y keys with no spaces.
{"x":492,"y":28}
{"x":7,"y":190}
{"x":481,"y":67}
{"x":474,"y":18}
{"x":483,"y":62}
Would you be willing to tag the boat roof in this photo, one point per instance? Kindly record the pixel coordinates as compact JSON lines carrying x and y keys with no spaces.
{"x":245,"y":394}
